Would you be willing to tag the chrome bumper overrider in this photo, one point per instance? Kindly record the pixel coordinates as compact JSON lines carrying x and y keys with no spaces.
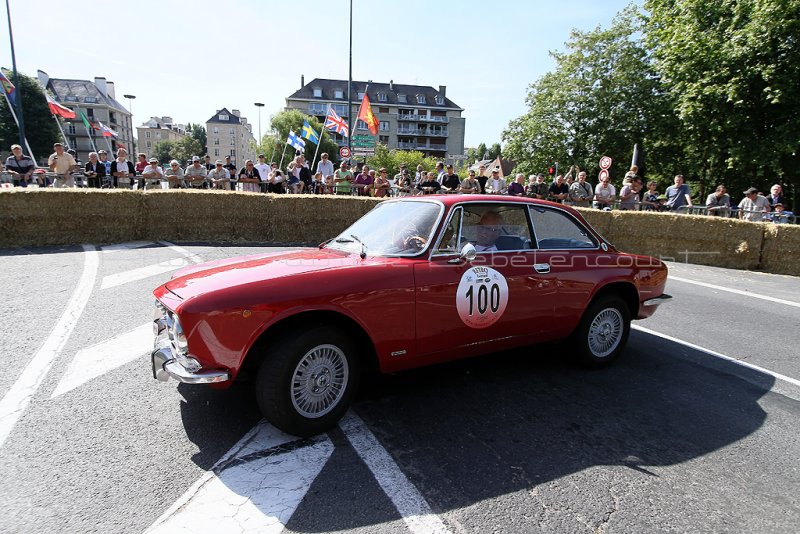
{"x":657,"y":300}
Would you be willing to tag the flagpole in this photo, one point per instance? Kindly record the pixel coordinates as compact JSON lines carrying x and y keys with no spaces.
{"x":14,"y":115}
{"x":19,"y":119}
{"x":85,"y":120}
{"x":349,"y":88}
{"x":60,"y":129}
{"x":280,"y":165}
{"x":321,"y":133}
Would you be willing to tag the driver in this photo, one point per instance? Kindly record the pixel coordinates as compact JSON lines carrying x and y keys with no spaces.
{"x":488,"y":230}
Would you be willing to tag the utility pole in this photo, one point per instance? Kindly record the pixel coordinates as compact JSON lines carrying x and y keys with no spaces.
{"x":132,"y":151}
{"x":259,"y":105}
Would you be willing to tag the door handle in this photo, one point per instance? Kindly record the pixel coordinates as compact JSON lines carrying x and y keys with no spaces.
{"x":542,"y":268}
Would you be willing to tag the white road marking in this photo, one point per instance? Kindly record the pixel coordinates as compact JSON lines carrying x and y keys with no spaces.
{"x":125,"y":246}
{"x":256,"y":487}
{"x":736,"y":291}
{"x":718,"y":355}
{"x":106,"y":356}
{"x":191,"y":256}
{"x":409,"y":502}
{"x":140,"y":273}
{"x":19,"y":396}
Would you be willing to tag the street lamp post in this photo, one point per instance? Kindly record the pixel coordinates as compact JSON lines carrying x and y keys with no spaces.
{"x":130,"y":107}
{"x":259,"y":105}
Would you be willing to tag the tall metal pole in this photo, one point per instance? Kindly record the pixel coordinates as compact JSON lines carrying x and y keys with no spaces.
{"x":349,"y":88}
{"x":259,"y":105}
{"x":132,"y":150}
{"x":20,"y":120}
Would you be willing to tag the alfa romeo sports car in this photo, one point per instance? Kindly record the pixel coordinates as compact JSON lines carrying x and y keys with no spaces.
{"x":416,"y":281}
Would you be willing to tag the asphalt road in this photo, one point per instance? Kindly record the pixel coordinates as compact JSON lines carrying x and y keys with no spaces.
{"x":671,"y":438}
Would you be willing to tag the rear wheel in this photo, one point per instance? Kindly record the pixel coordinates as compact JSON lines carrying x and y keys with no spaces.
{"x":602,"y":332}
{"x":307,"y":380}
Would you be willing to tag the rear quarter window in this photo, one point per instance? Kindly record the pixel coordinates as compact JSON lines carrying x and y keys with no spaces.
{"x":555,"y":229}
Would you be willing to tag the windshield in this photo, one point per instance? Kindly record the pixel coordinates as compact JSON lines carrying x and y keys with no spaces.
{"x":401,"y":228}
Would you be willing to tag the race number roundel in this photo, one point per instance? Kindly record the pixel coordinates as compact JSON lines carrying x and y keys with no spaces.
{"x":482,"y":297}
{"x":605,"y":162}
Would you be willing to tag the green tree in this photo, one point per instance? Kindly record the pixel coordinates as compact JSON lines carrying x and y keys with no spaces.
{"x":392,"y":159}
{"x":293,"y":120}
{"x":164,"y":150}
{"x":603,"y":97}
{"x":495,"y":151}
{"x":40,"y":127}
{"x":482,"y":152}
{"x":187,"y":147}
{"x":198,"y":133}
{"x":733,"y":69}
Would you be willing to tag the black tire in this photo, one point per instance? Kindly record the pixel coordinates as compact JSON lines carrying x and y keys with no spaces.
{"x":603,"y":332}
{"x":307,"y":380}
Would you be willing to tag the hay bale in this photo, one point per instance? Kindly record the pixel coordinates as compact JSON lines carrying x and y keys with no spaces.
{"x":599,"y":219}
{"x":313,"y":219}
{"x":688,"y":238}
{"x":781,"y":249}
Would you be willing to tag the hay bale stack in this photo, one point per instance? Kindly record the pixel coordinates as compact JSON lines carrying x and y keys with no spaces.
{"x":313,"y":219}
{"x":189,"y":215}
{"x":599,"y":219}
{"x":38,"y":217}
{"x":688,"y":238}
{"x":781,"y":249}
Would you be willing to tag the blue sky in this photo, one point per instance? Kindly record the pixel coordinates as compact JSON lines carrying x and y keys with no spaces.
{"x":188,"y":59}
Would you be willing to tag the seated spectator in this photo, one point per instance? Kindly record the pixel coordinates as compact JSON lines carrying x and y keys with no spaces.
{"x":496,"y":185}
{"x":174,"y":175}
{"x":604,"y":194}
{"x":152,"y":174}
{"x":342,"y":179}
{"x":276,"y":180}
{"x":718,"y":203}
{"x":470,"y":184}
{"x":580,"y":191}
{"x":629,"y":194}
{"x":220,"y":177}
{"x":94,"y":171}
{"x":650,"y":197}
{"x":196,"y":174}
{"x":517,"y":187}
{"x":780,"y":216}
{"x":430,"y":185}
{"x":753,"y":206}
{"x":318,"y":187}
{"x":20,"y":167}
{"x":450,"y":181}
{"x":123,"y":170}
{"x":305,"y":174}
{"x":558,"y":190}
{"x":363,"y":181}
{"x":381,"y":185}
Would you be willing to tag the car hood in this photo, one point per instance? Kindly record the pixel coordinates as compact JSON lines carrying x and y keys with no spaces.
{"x":211,"y":276}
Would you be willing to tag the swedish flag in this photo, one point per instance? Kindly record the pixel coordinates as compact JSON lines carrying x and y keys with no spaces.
{"x":309,"y":133}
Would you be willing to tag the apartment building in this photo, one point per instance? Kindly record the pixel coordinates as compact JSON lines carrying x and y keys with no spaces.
{"x":229,"y":134}
{"x":158,"y":129}
{"x":412,"y":117}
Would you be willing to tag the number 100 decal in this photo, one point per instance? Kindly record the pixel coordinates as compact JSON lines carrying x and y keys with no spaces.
{"x":482,"y":297}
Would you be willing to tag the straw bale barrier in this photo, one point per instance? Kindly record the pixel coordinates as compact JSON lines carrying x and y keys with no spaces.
{"x":39,"y":217}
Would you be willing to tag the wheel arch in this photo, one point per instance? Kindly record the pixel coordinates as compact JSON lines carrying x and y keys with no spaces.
{"x":626,"y":290}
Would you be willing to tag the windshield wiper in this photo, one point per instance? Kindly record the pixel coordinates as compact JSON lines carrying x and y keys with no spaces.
{"x":343,"y":240}
{"x":363,"y":246}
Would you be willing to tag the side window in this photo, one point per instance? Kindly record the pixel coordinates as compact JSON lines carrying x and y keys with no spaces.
{"x":449,"y":243}
{"x":555,"y":229}
{"x":496,"y":227}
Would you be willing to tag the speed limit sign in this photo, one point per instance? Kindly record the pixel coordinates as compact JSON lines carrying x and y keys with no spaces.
{"x":605,"y":162}
{"x":344,"y":152}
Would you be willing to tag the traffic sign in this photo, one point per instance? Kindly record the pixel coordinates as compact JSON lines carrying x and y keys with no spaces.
{"x":603,"y":174}
{"x":363,"y":151}
{"x":344,"y":152}
{"x":365,"y":141}
{"x":456,"y":156}
{"x":605,"y":162}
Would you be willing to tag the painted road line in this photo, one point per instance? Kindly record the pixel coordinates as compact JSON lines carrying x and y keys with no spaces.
{"x":191,"y":256}
{"x":735,"y":291}
{"x":19,"y":396}
{"x":140,"y":273}
{"x":409,"y":502}
{"x":106,"y":356}
{"x":718,"y":355}
{"x":254,"y":488}
{"x":125,"y":246}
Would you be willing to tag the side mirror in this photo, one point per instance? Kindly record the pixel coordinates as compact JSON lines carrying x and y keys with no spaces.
{"x":468,"y":252}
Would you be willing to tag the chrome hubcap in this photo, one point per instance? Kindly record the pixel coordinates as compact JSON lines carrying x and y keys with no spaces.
{"x":605,"y":332}
{"x":319,"y":381}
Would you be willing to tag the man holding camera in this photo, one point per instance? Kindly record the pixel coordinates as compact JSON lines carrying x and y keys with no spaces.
{"x":62,"y":164}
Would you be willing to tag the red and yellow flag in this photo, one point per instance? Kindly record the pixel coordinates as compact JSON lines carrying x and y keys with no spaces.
{"x":366,"y":115}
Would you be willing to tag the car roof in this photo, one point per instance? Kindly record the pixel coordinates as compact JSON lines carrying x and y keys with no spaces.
{"x":451,"y":199}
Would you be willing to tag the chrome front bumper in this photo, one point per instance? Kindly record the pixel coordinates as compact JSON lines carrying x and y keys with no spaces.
{"x":657,"y":300}
{"x":165,"y":363}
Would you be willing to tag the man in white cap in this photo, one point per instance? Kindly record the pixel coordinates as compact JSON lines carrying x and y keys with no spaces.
{"x":153,"y":174}
{"x":220,"y":177}
{"x":195,"y":174}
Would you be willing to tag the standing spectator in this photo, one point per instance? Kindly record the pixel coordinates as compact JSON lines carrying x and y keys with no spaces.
{"x":94,"y":171}
{"x":230,"y":167}
{"x":405,"y":183}
{"x":650,"y":197}
{"x":108,"y":179}
{"x":62,"y":164}
{"x":174,"y":175}
{"x":122,"y":170}
{"x":195,"y":174}
{"x":539,"y":188}
{"x":420,"y":176}
{"x":678,"y":195}
{"x":440,"y":172}
{"x":263,"y":172}
{"x":753,"y":206}
{"x":325,"y":166}
{"x":430,"y":184}
{"x":629,"y":194}
{"x":362,"y":182}
{"x":517,"y":187}
{"x":381,"y":185}
{"x":776,"y":195}
{"x":305,"y":174}
{"x":496,"y":185}
{"x":482,"y":178}
{"x":580,"y":192}
{"x":20,"y":167}
{"x":558,"y":190}
{"x":207,"y":163}
{"x":249,"y":177}
{"x":470,"y":185}
{"x":604,"y":194}
{"x":276,"y":179}
{"x":138,"y":167}
{"x":719,"y":202}
{"x":343,"y":179}
{"x":451,"y":182}
{"x":219,"y":176}
{"x":152,"y":174}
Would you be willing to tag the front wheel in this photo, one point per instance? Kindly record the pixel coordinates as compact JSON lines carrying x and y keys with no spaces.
{"x":602,"y":332}
{"x":307,"y":380}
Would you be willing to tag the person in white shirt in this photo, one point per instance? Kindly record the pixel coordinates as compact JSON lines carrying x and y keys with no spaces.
{"x":263,"y":171}
{"x":496,"y":185}
{"x":152,"y":174}
{"x":325,"y":166}
{"x":220,"y":177}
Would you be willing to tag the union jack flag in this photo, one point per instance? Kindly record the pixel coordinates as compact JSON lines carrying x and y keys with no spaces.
{"x":336,"y":124}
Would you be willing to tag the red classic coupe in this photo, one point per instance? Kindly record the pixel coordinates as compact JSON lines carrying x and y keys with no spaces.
{"x":416,"y":281}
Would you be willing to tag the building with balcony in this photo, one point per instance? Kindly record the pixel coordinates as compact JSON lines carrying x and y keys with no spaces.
{"x":97,"y":100}
{"x":229,"y":134}
{"x":412,"y":117}
{"x":158,"y":129}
